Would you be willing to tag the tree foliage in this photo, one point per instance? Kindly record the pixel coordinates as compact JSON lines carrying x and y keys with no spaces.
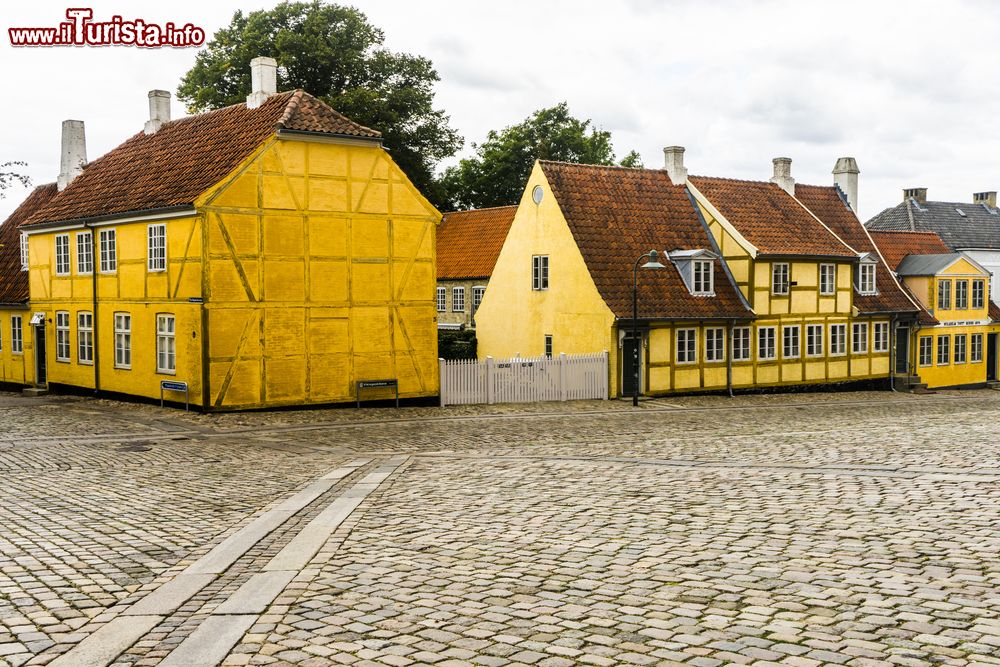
{"x":334,"y":53}
{"x":497,"y":174}
{"x":9,"y":175}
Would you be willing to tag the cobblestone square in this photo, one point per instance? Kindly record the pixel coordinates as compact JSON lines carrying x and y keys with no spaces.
{"x":798,"y":529}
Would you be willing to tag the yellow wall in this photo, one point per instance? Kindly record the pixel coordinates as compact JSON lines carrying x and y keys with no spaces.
{"x":514,"y":319}
{"x":16,"y":368}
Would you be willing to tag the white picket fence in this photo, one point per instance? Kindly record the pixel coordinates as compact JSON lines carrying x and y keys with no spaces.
{"x":568,"y":377}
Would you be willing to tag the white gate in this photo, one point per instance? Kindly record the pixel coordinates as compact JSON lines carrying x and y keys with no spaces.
{"x":567,"y":377}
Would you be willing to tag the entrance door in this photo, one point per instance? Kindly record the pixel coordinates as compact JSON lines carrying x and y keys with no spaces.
{"x":630,"y":361}
{"x":40,"y":376}
{"x":902,"y":350}
{"x":991,"y":357}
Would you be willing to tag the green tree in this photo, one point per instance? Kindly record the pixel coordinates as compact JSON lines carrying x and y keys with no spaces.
{"x":9,"y":176}
{"x":502,"y":163}
{"x":334,"y":53}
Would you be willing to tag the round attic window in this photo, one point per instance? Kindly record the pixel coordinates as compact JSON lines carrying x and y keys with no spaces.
{"x":536,"y":194}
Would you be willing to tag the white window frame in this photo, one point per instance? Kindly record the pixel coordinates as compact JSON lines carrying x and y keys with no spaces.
{"x":108,"y":239}
{"x":976,"y":348}
{"x":925,"y":351}
{"x":859,"y":334}
{"x":838,"y":342}
{"x":741,"y":344}
{"x":796,"y":341}
{"x":63,"y":259}
{"x":442,"y":299}
{"x":539,"y":272}
{"x":781,"y":275}
{"x":548,"y":345}
{"x":703,"y":277}
{"x":944,"y":289}
{"x":16,"y":334}
{"x":827,"y":283}
{"x":768,"y":351}
{"x":84,"y":253}
{"x":881,"y":337}
{"x":961,"y":290}
{"x":978,"y":294}
{"x":85,"y":338}
{"x":944,"y":350}
{"x":478,"y":292}
{"x":715,"y":345}
{"x":814,"y":340}
{"x":689,"y":339}
{"x":24,"y":251}
{"x":963,"y":348}
{"x":123,"y":341}
{"x":62,"y":335}
{"x":866,"y":278}
{"x":156,"y":247}
{"x":166,"y":343}
{"x":458,"y":299}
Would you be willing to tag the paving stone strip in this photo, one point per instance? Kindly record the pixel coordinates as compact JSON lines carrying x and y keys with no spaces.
{"x":103,"y":646}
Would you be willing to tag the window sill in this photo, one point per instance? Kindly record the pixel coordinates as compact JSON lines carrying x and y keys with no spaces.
{"x":85,"y":363}
{"x":170,"y":373}
{"x":122,"y":368}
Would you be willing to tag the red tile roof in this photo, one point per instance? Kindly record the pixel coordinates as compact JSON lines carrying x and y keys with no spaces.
{"x":770,"y":218}
{"x":14,"y":281}
{"x":186,"y":157}
{"x":826,"y":204}
{"x":895,"y":246}
{"x":469,"y":242}
{"x":616,"y":215}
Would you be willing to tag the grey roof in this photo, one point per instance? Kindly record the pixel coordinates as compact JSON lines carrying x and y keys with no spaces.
{"x":926,"y":265}
{"x":978,"y":228}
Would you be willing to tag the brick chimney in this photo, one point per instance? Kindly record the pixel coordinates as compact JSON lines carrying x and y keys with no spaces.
{"x":919,"y":194}
{"x":783,"y":174}
{"x":73,"y":154}
{"x":263,"y":79}
{"x":673,"y":163}
{"x":986,"y":198}
{"x":845,"y":177}
{"x":159,"y":110}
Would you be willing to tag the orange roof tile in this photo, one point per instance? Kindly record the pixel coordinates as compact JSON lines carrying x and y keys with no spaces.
{"x":186,"y":157}
{"x":770,"y":218}
{"x":469,"y":242}
{"x":895,"y":246}
{"x":616,"y":215}
{"x":14,"y":281}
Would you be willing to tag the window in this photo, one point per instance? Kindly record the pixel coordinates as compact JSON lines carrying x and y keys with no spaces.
{"x":961,"y":295}
{"x":704,"y":282}
{"x":741,"y":343}
{"x":157,"y":247}
{"x":779,"y":279}
{"x":84,"y":252}
{"x":866,"y":278}
{"x":881,"y":343}
{"x":944,"y":295}
{"x":62,"y":332}
{"x":976,"y":355}
{"x":477,"y":297}
{"x":790,"y":342}
{"x":62,"y":254}
{"x":814,"y":340}
{"x":715,"y":344}
{"x":109,"y":251}
{"x":978,"y":293}
{"x":123,"y":340}
{"x":540,"y":272}
{"x":166,"y":344}
{"x":16,"y":333}
{"x":85,"y":338}
{"x":548,"y":345}
{"x":442,"y":295}
{"x":765,"y":343}
{"x":926,"y":351}
{"x":687,"y":348}
{"x":827,"y":278}
{"x":24,"y":251}
{"x":960,"y":345}
{"x":838,"y":339}
{"x":458,"y":299}
{"x":859,"y":338}
{"x":944,"y":350}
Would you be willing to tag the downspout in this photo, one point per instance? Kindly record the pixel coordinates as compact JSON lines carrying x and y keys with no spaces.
{"x":93,"y":289}
{"x":729,"y":358}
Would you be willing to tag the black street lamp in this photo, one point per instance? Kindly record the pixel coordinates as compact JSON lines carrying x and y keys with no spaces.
{"x":653,"y":263}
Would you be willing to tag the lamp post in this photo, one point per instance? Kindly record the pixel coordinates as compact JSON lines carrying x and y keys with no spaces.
{"x":653,"y":263}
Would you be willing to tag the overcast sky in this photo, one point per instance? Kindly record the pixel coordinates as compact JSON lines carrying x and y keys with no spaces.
{"x":908,"y":88}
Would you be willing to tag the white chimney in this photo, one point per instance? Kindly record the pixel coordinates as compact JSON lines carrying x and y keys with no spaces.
{"x":673,"y":162}
{"x":264,"y":80}
{"x":845,"y":176}
{"x":74,"y":152}
{"x":159,"y":110}
{"x":783,"y":174}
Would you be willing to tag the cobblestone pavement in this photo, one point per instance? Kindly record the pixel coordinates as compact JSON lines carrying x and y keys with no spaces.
{"x":846,"y":528}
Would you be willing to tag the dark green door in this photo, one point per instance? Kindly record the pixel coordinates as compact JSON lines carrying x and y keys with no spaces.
{"x":991,"y":357}
{"x":902,"y":350}
{"x":630,"y":361}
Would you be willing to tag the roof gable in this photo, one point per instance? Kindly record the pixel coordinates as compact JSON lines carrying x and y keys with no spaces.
{"x":469,"y":242}
{"x":927,"y":265}
{"x":14,"y":281}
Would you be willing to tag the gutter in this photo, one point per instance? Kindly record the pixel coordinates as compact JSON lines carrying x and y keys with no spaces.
{"x":89,"y":222}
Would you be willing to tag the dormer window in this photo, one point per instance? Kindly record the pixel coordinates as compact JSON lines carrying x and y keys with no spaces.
{"x":866,"y":275}
{"x":704,"y":278}
{"x":697,"y":269}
